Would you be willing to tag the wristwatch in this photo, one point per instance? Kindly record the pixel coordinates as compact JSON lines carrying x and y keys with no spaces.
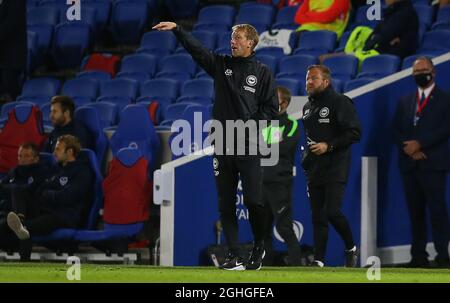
{"x":330,"y":147}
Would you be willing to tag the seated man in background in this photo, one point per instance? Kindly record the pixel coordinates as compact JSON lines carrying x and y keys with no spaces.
{"x":60,"y":202}
{"x":29,"y":174}
{"x":62,"y":117}
{"x":331,"y":15}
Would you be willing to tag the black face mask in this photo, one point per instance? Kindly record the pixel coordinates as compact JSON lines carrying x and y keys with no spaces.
{"x":423,"y":79}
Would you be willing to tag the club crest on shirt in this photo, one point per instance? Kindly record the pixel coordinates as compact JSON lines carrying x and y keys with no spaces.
{"x":63,"y":181}
{"x":251,"y":80}
{"x":324,"y":112}
{"x":30,"y":179}
{"x":228,"y":72}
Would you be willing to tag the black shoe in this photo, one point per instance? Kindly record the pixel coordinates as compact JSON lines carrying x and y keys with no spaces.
{"x":256,"y":258}
{"x":233,"y":262}
{"x":418,"y":263}
{"x":351,"y":257}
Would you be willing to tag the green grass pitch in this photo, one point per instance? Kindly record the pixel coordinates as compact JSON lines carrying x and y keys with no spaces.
{"x":56,"y":272}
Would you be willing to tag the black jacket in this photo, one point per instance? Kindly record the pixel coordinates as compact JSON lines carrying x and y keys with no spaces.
{"x":432,"y":131}
{"x":24,"y":176}
{"x":399,"y":20}
{"x":13,"y":34}
{"x":290,"y":137}
{"x":329,"y":117}
{"x":75,"y":128}
{"x":244,"y":87}
{"x":68,"y":192}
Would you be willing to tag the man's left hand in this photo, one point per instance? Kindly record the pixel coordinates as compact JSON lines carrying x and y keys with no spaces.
{"x":411,"y":147}
{"x":319,"y":148}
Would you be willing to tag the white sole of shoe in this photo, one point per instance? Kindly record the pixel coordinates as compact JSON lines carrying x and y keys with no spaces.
{"x":240,"y":267}
{"x":16,"y":226}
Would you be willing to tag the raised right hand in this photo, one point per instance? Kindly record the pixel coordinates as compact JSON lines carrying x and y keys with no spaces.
{"x":165,"y":26}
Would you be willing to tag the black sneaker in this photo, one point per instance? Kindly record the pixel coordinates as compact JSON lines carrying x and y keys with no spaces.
{"x":233,"y":262}
{"x":15,"y":224}
{"x":351,"y":257}
{"x":256,"y":258}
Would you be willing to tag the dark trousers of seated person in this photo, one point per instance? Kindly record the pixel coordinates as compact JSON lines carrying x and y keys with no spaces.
{"x":37,"y":221}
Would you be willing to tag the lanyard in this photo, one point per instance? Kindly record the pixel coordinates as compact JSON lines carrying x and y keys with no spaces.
{"x":420,"y":107}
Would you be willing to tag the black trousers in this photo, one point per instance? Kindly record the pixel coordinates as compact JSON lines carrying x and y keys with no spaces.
{"x":11,"y":82}
{"x":37,"y":221}
{"x":326,"y":203}
{"x":227,"y":170}
{"x":278,"y":202}
{"x":426,"y":190}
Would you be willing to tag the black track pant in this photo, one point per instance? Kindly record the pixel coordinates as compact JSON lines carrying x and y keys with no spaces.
{"x":10,"y":82}
{"x":326,"y":203}
{"x":227,"y":170}
{"x":278,"y":201}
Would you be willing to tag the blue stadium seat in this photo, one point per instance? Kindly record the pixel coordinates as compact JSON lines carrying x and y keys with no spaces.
{"x":190,"y":113}
{"x":143,"y":63}
{"x":343,"y":67}
{"x":292,"y":84}
{"x":295,"y":66}
{"x":156,"y":88}
{"x":128,"y":20}
{"x":182,"y":8}
{"x":175,"y":111}
{"x":337,"y":84}
{"x":197,"y":89}
{"x":98,"y":76}
{"x":113,"y":231}
{"x":208,"y":17}
{"x":33,"y":57}
{"x":443,"y":14}
{"x":207,"y":38}
{"x":158,"y":43}
{"x":90,"y":118}
{"x":7,"y":107}
{"x":108,"y":113}
{"x":355,"y":83}
{"x":81,"y":101}
{"x":42,"y":21}
{"x":270,"y":61}
{"x":139,"y":77}
{"x":70,"y":43}
{"x":435,"y":42}
{"x":119,"y":88}
{"x":379,"y":66}
{"x":120,"y":101}
{"x":44,"y":86}
{"x":80,"y":87}
{"x":285,"y":18}
{"x":102,"y":9}
{"x":260,"y":16}
{"x":136,"y":130}
{"x":316,"y":43}
{"x":223,"y":40}
{"x":179,"y":66}
{"x":424,"y":13}
{"x":45,"y":109}
{"x":272,"y":51}
{"x":342,"y":42}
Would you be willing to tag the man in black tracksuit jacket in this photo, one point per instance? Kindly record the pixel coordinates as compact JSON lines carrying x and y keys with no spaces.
{"x":278,"y":179}
{"x":331,"y":125}
{"x":245,"y":91}
{"x":62,"y":200}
